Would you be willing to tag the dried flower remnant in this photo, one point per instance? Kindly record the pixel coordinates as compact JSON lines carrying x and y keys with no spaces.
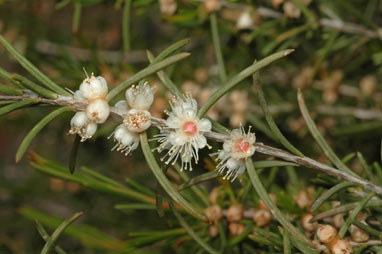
{"x":306,"y":224}
{"x":183,"y":134}
{"x":236,"y":229}
{"x":326,"y":233}
{"x":212,"y":5}
{"x":168,"y":7}
{"x":235,"y":151}
{"x":235,"y":213}
{"x":262,"y":217}
{"x":214,"y":213}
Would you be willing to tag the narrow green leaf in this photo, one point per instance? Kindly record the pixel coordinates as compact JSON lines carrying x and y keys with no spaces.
{"x":280,"y":217}
{"x":74,"y":153}
{"x":318,"y":137}
{"x":260,"y":125}
{"x":135,"y":207}
{"x":34,"y":87}
{"x":159,"y":200}
{"x":218,"y":127}
{"x":46,"y":237}
{"x":139,"y":187}
{"x":330,"y":193}
{"x":218,"y":50}
{"x":344,"y":208}
{"x":368,"y":229}
{"x":191,"y":232}
{"x":199,"y":179}
{"x":76,"y":16}
{"x":7,"y":77}
{"x":37,"y":128}
{"x":268,"y":117}
{"x":58,"y":232}
{"x":32,"y":69}
{"x":378,"y":169}
{"x":10,"y":90}
{"x":164,"y":182}
{"x":286,"y":243}
{"x":171,"y":49}
{"x":16,"y":105}
{"x":101,"y":177}
{"x":165,"y":79}
{"x":354,"y":214}
{"x":126,"y":26}
{"x":366,"y":167}
{"x":146,"y":72}
{"x":230,"y":84}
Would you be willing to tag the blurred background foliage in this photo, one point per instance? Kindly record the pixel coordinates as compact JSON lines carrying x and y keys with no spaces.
{"x":337,"y":63}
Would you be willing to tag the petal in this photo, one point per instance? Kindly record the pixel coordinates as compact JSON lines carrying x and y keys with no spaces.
{"x":201,"y":141}
{"x":204,"y":125}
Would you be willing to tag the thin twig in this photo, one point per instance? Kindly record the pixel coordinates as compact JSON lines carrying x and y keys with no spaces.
{"x":80,"y":105}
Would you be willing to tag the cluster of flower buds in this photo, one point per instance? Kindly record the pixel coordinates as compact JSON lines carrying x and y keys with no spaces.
{"x":137,"y":117}
{"x":328,"y":235}
{"x":94,"y":91}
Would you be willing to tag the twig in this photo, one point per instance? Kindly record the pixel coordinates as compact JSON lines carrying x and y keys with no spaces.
{"x":80,"y":105}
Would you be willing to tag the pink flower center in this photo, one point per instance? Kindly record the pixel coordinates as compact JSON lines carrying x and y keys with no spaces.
{"x":241,"y":145}
{"x":190,"y":128}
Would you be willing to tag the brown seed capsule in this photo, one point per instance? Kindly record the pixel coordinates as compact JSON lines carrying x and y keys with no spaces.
{"x":303,"y":199}
{"x":338,"y":220}
{"x":235,"y":213}
{"x":214,"y":213}
{"x":236,"y":228}
{"x":272,"y":197}
{"x":262,"y":217}
{"x":326,"y":233}
{"x":306,"y":224}
{"x":368,"y":85}
{"x":213,"y":230}
{"x":212,"y":5}
{"x":341,"y":246}
{"x":358,"y":235}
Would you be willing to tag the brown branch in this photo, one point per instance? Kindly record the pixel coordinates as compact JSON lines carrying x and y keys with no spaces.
{"x":80,"y":105}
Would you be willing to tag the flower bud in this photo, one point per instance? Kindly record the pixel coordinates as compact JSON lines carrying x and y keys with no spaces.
{"x":213,"y":230}
{"x":137,"y":120}
{"x":341,"y":246}
{"x":326,"y":233}
{"x":245,"y":21}
{"x":262,"y":217}
{"x":358,"y":235}
{"x":235,"y":213}
{"x":98,"y":111}
{"x":81,"y":125}
{"x":236,"y":229}
{"x":140,"y":97}
{"x":306,"y":224}
{"x":214,"y":213}
{"x":94,"y":88}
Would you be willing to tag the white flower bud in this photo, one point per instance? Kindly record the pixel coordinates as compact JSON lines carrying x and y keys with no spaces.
{"x":245,"y":21}
{"x":358,"y":235}
{"x":79,"y":120}
{"x":94,"y":88}
{"x":326,"y":233}
{"x":91,"y":129}
{"x":98,"y":111}
{"x":235,"y":213}
{"x":262,"y":217}
{"x":137,"y":120}
{"x":341,"y":246}
{"x":306,"y":224}
{"x":214,"y":213}
{"x":78,"y":95}
{"x":126,"y":141}
{"x":140,"y":97}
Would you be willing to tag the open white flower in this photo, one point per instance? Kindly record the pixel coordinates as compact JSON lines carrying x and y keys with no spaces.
{"x":235,"y":150}
{"x":81,"y":125}
{"x":127,"y":141}
{"x":183,"y":134}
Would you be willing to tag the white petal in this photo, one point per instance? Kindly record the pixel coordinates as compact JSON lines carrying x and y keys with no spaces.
{"x":122,"y":105}
{"x":204,"y":125}
{"x":90,"y":130}
{"x":232,"y":164}
{"x":201,"y":141}
{"x":79,"y":120}
{"x":98,"y":111}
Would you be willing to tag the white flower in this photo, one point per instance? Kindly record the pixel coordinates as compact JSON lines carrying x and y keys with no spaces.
{"x":183,"y":134}
{"x":137,"y":120}
{"x":98,"y":111}
{"x":81,"y":125}
{"x":126,"y":141}
{"x":94,"y":88}
{"x":140,"y":97}
{"x":235,"y":150}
